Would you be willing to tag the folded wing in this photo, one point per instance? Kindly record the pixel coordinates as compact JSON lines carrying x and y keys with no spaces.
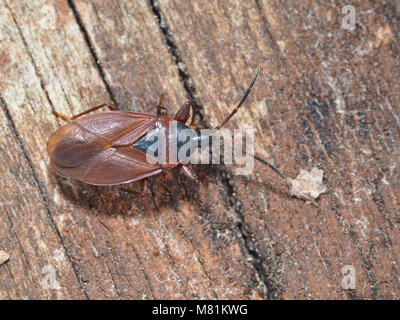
{"x":112,"y":167}
{"x":83,"y":148}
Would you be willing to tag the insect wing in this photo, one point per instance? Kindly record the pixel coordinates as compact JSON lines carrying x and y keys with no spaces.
{"x":112,"y":167}
{"x":118,"y":127}
{"x":83,"y":148}
{"x":77,"y":142}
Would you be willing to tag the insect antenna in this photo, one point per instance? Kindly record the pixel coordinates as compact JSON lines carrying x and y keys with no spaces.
{"x":269,"y":165}
{"x":246,"y":94}
{"x":241,"y":100}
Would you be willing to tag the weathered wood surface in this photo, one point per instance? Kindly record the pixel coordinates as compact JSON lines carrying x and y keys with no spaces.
{"x":327,"y":97}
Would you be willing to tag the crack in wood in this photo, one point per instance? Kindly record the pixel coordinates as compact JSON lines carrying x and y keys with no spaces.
{"x":197,"y":253}
{"x":168,"y":251}
{"x":41,"y":192}
{"x":143,"y":271}
{"x":190,"y":90}
{"x":248,"y":242}
{"x":185,"y":77}
{"x":14,"y":282}
{"x":17,"y":240}
{"x":357,"y":221}
{"x":92,"y":50}
{"x":29,"y":162}
{"x":267,"y":29}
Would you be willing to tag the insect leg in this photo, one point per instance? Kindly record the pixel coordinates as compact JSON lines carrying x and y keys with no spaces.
{"x":183,"y":113}
{"x":144,"y":186}
{"x":84,"y":112}
{"x":139,"y":193}
{"x":188,"y":172}
{"x":160,"y":106}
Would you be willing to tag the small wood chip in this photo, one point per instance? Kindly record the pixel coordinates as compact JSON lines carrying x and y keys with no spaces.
{"x":308,"y":185}
{"x":4,"y":256}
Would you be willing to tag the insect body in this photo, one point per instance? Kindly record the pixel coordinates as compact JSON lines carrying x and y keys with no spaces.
{"x":109,"y":148}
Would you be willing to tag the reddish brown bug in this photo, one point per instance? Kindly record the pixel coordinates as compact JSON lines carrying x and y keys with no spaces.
{"x":109,"y":148}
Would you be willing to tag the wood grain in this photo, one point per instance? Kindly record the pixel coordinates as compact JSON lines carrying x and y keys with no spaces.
{"x":121,"y":246}
{"x":327,"y":97}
